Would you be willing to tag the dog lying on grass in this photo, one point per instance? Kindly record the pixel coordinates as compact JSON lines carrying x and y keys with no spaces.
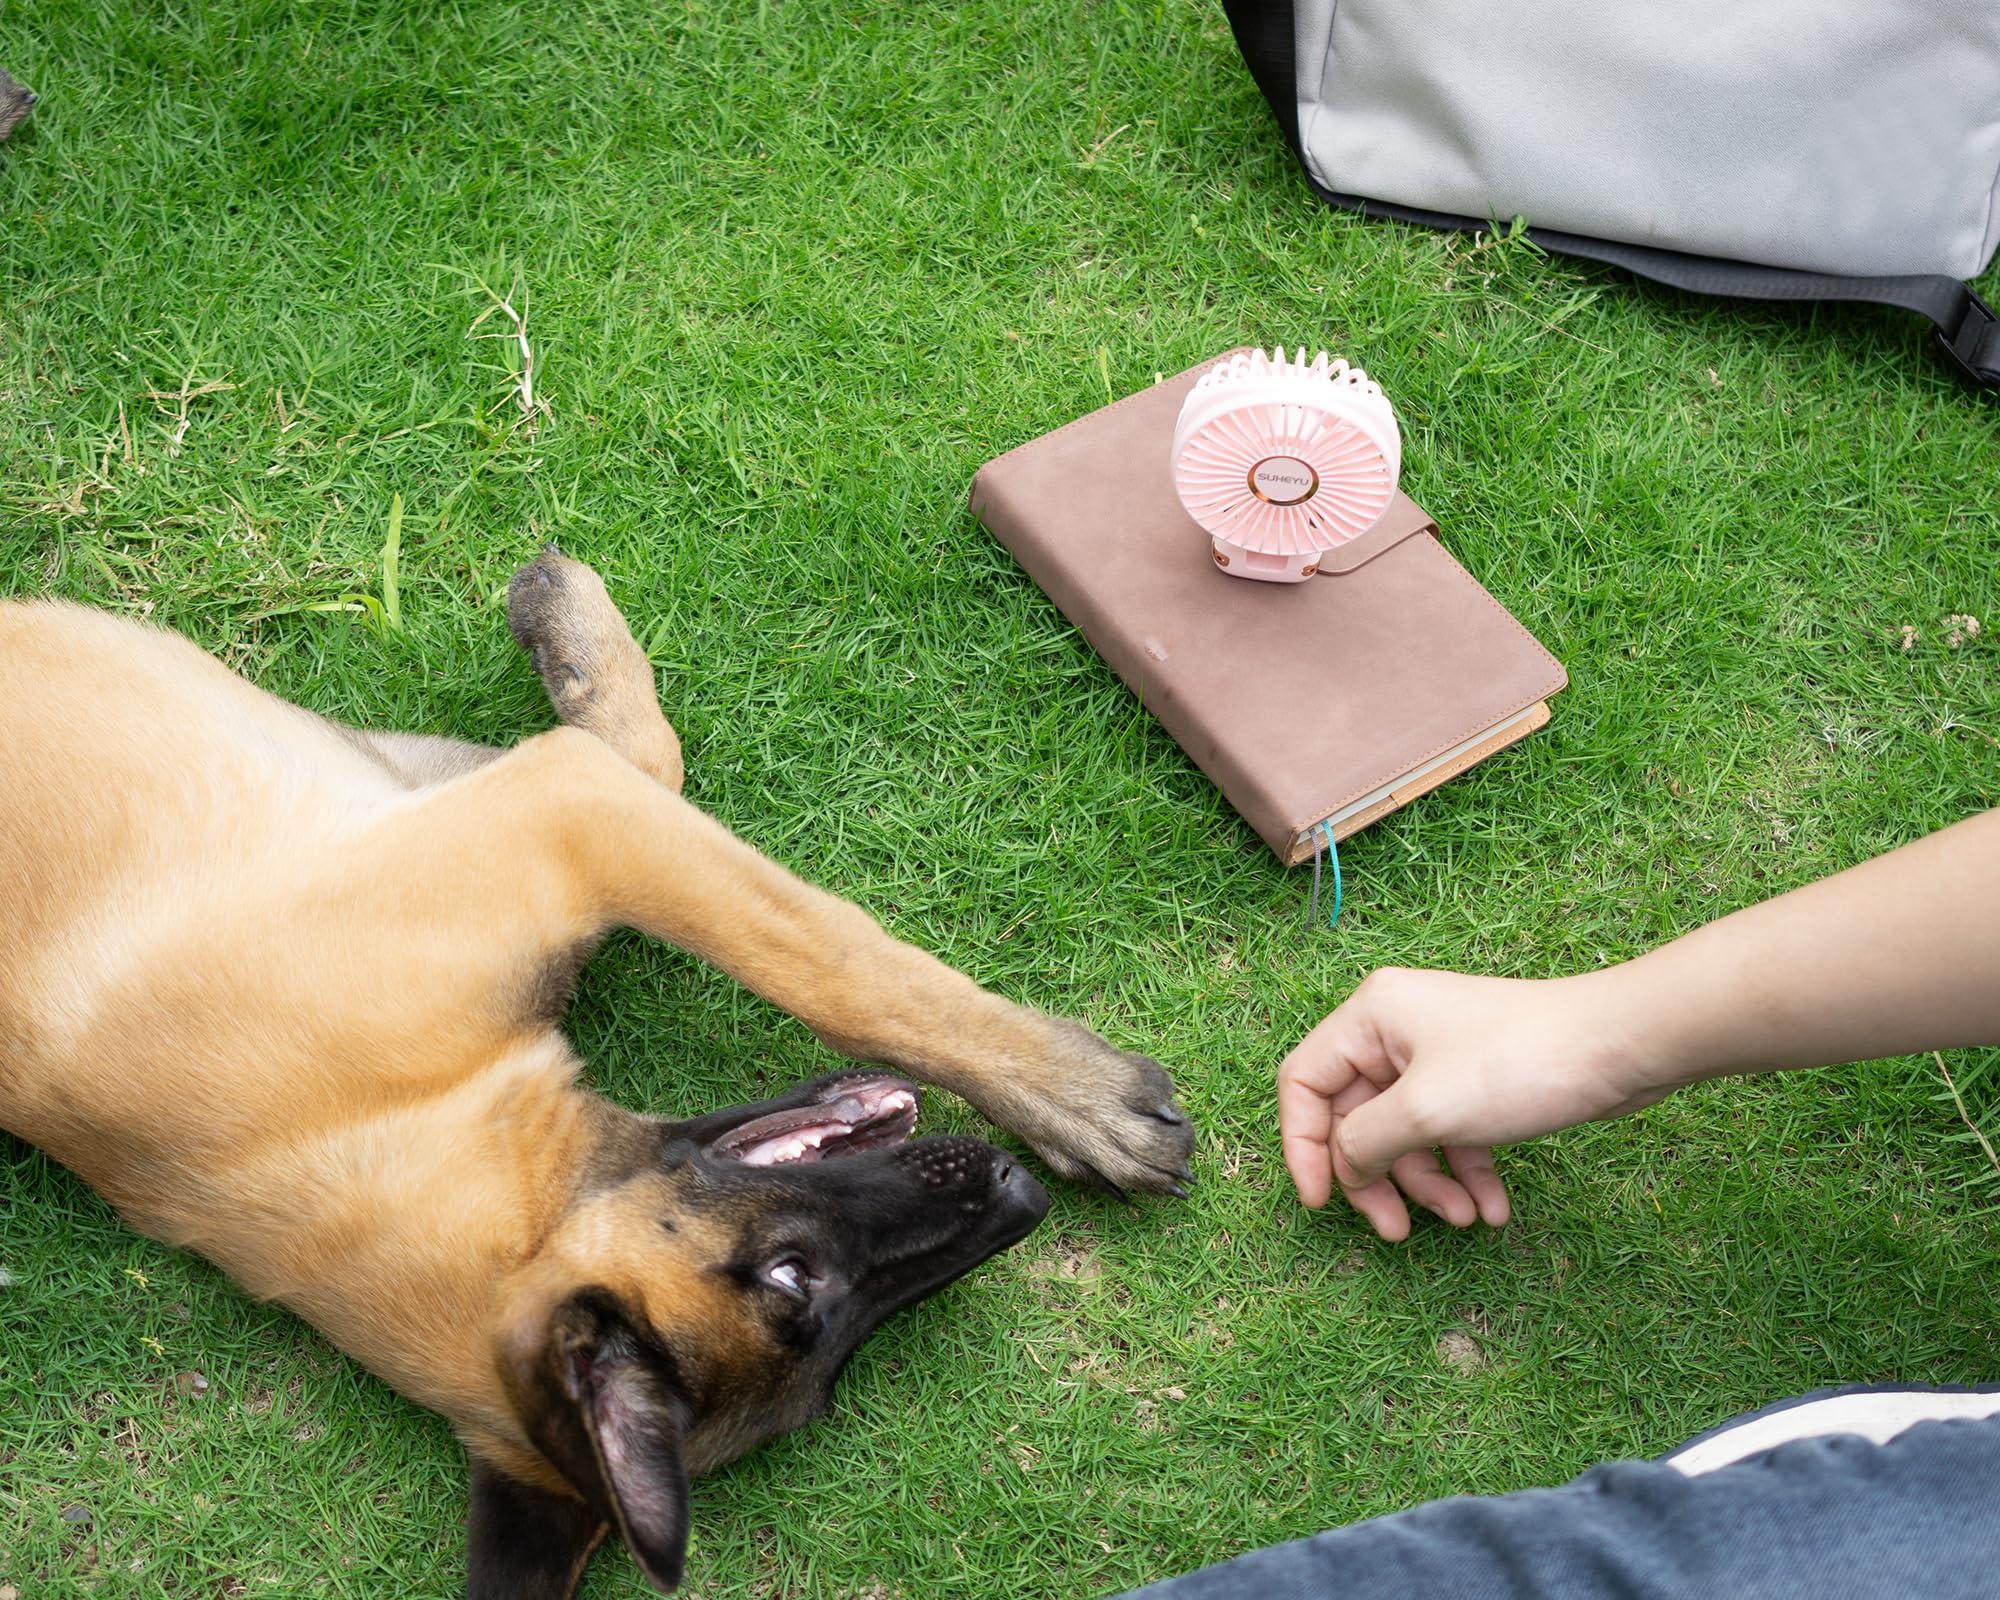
{"x":287,"y":993}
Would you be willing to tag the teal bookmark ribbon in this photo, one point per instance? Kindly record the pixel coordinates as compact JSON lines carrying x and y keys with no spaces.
{"x":1332,"y":850}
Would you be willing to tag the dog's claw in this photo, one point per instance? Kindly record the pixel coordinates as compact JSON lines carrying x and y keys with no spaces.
{"x":1169,"y":1113}
{"x":1177,"y":1191}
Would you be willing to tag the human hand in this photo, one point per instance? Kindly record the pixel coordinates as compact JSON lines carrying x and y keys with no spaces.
{"x":1417,"y":1063}
{"x":1890,"y":957}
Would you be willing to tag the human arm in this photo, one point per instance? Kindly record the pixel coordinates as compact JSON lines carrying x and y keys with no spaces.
{"x":1899,"y":954}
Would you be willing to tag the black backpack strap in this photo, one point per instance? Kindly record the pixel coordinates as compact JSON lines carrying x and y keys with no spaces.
{"x":1968,"y":332}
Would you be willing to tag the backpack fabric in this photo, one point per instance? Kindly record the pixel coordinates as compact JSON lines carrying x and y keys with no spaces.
{"x":1778,"y":149}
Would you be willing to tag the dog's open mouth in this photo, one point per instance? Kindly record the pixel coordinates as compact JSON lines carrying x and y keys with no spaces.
{"x":864,"y":1114}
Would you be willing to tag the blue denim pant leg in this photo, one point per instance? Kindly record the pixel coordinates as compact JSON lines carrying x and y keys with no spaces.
{"x":1837,"y":1518}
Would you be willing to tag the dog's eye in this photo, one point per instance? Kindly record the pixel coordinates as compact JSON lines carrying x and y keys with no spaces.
{"x":790,"y":1274}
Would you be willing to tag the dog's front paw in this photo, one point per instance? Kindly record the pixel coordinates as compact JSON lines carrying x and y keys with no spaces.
{"x":597,"y":677}
{"x":1104,"y":1116}
{"x":581,"y":649}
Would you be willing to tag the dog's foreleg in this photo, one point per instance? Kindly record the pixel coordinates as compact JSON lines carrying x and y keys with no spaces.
{"x":593,"y":842}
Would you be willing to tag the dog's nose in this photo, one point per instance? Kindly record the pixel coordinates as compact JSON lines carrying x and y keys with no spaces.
{"x":1016,"y":1187}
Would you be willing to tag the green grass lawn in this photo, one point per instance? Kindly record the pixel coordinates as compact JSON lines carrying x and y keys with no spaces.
{"x":792,"y":273}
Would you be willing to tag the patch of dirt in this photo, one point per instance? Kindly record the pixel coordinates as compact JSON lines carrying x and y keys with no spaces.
{"x":1458,"y":1350}
{"x":1069,"y":1259}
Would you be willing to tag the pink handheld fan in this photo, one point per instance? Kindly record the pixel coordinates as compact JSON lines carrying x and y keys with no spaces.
{"x":1282,"y":460}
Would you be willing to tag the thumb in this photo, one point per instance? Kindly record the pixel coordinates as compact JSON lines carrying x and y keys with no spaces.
{"x":1376,"y":1133}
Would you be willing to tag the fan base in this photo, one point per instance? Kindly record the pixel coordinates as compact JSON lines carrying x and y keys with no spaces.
{"x":1265,"y":568}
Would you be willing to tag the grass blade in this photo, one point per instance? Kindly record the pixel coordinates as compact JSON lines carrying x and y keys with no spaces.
{"x":391,"y":550}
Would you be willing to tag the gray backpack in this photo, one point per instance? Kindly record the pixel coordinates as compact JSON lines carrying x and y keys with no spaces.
{"x":1777,"y":149}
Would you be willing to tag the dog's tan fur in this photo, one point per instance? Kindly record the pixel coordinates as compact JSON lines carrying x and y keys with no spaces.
{"x":286,"y":994}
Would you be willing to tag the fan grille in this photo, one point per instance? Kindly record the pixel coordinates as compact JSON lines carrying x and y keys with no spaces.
{"x":1217,"y":476}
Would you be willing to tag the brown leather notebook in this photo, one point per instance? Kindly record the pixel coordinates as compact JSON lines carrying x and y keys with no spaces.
{"x":1336,"y":700}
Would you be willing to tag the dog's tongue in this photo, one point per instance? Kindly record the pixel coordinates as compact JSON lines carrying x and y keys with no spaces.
{"x":871,"y":1115}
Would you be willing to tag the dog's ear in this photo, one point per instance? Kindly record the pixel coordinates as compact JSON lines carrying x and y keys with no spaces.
{"x":607,"y":1407}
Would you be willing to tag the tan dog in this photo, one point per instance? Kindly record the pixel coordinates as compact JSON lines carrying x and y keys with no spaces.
{"x":287,"y":994}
